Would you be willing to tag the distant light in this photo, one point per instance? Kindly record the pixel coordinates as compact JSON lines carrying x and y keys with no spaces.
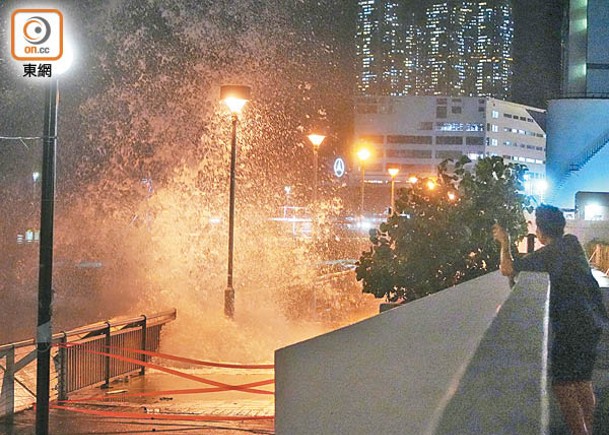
{"x":541,"y":186}
{"x":214,"y":220}
{"x":35,"y":176}
{"x":365,"y":224}
{"x":431,"y":185}
{"x":393,"y":172}
{"x":452,"y":196}
{"x":593,"y":212}
{"x":413,"y":179}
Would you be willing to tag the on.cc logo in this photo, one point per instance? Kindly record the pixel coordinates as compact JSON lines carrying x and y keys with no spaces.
{"x":36,"y":30}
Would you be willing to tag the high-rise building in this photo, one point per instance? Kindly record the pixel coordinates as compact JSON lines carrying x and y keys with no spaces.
{"x":381,"y":44}
{"x":493,"y":58}
{"x":449,"y":49}
{"x":454,"y":48}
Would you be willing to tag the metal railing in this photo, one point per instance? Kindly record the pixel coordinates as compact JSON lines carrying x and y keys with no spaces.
{"x":77,"y":362}
{"x":600,"y":257}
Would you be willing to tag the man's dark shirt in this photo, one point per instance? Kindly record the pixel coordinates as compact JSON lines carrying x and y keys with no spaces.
{"x":573,"y":290}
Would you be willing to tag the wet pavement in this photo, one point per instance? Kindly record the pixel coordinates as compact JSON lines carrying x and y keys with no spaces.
{"x":116,"y":408}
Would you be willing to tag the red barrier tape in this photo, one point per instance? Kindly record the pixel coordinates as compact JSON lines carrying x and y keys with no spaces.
{"x":194,"y":361}
{"x":182,"y":359}
{"x":181,"y":374}
{"x":166,"y":392}
{"x":139,"y":415}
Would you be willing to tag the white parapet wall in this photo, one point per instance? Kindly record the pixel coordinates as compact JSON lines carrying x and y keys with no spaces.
{"x":469,"y":359}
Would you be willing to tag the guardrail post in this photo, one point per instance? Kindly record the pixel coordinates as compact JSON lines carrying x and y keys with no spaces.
{"x":7,"y":395}
{"x":107,"y":362}
{"x":144,"y":343}
{"x":63,"y":368}
{"x":530,"y":242}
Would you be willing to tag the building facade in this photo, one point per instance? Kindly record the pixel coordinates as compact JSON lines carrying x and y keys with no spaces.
{"x":455,"y":48}
{"x":578,"y":123}
{"x":416,"y":133}
{"x":381,"y":49}
{"x":585,"y":53}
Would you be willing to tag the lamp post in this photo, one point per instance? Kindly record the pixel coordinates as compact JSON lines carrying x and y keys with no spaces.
{"x":363,"y":154}
{"x":316,"y":140}
{"x":45,"y":275}
{"x":235,"y":97}
{"x":393,"y":172}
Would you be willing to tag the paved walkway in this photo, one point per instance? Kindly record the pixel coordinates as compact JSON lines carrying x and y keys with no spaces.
{"x":231,"y":403}
{"x":238,"y":405}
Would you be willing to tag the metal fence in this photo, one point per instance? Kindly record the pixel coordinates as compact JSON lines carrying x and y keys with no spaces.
{"x":600,"y":257}
{"x":77,"y":362}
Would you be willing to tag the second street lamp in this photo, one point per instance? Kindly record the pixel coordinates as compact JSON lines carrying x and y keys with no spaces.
{"x":316,"y":140}
{"x":363,"y":154}
{"x":393,"y":172}
{"x":235,"y":97}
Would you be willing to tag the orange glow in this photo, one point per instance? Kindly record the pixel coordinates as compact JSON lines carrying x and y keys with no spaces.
{"x":452,"y":196}
{"x":431,"y":185}
{"x":413,"y":179}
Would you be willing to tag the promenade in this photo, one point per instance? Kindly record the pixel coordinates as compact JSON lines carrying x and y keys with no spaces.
{"x":249,"y":413}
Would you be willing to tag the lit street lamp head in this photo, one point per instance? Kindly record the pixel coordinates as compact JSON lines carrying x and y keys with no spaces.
{"x":235,"y":97}
{"x":363,"y":154}
{"x":393,"y":172}
{"x":316,"y":139}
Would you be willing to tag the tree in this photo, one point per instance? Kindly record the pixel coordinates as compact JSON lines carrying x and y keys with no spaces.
{"x":441,"y":233}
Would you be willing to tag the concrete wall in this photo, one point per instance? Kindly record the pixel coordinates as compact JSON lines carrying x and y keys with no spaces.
{"x":470,"y":359}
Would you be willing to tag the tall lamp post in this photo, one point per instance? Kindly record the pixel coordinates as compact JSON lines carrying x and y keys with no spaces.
{"x":45,"y":275}
{"x":363,"y":154}
{"x":316,"y":140}
{"x":393,"y":172}
{"x":235,"y":97}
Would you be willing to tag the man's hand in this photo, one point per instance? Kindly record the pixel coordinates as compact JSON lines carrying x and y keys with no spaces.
{"x":501,"y":235}
{"x":506,"y":265}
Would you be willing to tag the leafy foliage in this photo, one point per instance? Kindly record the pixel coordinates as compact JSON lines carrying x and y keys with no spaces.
{"x":441,"y":234}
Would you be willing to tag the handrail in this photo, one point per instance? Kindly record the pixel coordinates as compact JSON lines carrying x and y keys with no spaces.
{"x":584,"y":96}
{"x":582,"y":158}
{"x":95,"y":327}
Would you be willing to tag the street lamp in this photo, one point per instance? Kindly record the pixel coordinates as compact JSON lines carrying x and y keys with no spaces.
{"x":363,"y":154}
{"x":235,"y":97}
{"x":393,"y":172}
{"x":44,"y":332}
{"x":316,"y":140}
